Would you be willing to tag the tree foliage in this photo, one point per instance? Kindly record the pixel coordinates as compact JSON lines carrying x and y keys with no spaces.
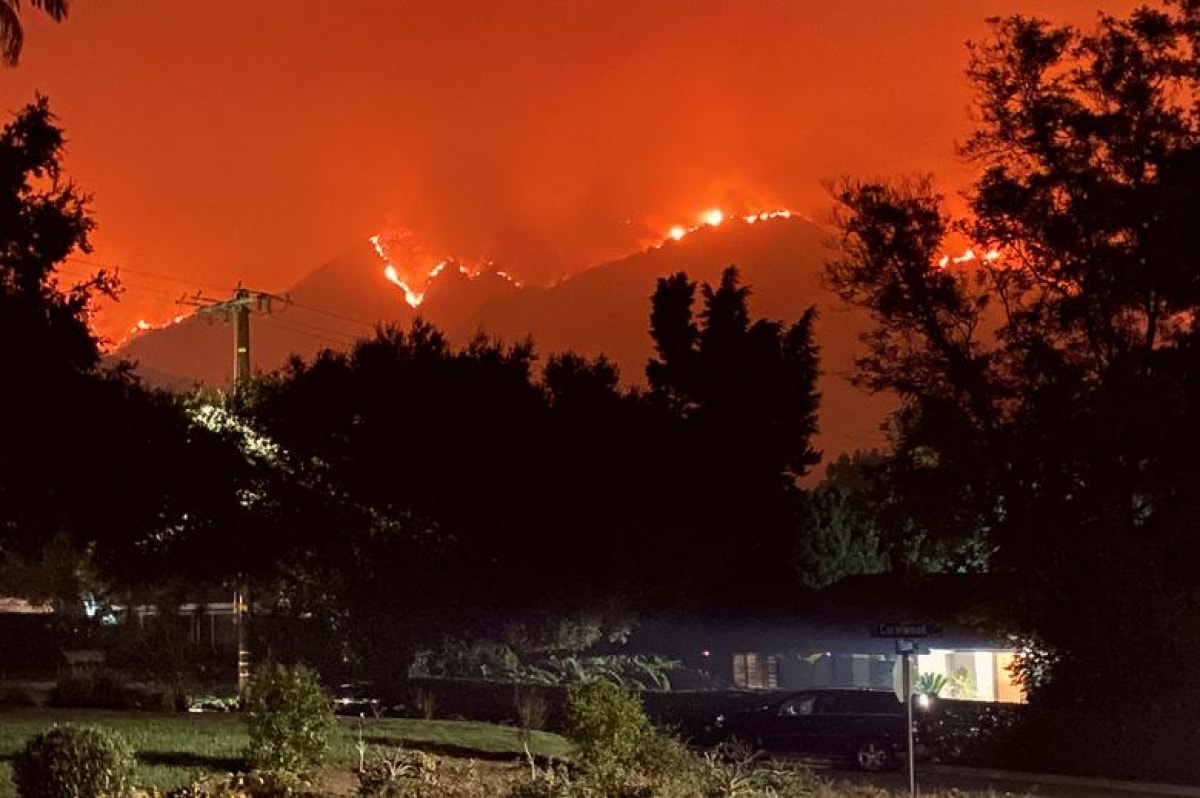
{"x":841,"y":522}
{"x":52,"y":362}
{"x":749,"y":385}
{"x":743,"y":405}
{"x":1049,"y":391}
{"x":96,"y":472}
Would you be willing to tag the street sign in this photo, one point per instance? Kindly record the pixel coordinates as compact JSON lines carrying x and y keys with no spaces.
{"x":906,"y":630}
{"x":907,"y":645}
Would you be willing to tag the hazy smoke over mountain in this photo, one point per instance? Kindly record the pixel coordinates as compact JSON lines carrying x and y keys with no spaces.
{"x":229,"y":141}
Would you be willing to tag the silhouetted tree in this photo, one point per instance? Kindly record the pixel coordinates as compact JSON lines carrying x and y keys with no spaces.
{"x":89,"y":461}
{"x":51,"y":362}
{"x":1049,"y":396}
{"x":744,"y":405}
{"x":738,"y":377}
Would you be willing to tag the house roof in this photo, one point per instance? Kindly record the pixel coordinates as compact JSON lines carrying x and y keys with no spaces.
{"x":839,"y":619}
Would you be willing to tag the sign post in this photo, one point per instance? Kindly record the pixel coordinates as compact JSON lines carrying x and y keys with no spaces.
{"x":906,"y":636}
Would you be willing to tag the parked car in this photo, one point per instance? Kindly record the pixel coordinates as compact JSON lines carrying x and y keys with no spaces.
{"x":865,"y":727}
{"x":357,"y":698}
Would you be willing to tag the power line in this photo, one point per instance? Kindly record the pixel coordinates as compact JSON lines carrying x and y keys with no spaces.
{"x":118,"y":270}
{"x":135,"y":286}
{"x":299,"y":331}
{"x":333,"y":315}
{"x":308,"y":325}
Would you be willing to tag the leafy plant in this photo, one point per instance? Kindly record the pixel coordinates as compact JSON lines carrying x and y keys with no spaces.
{"x":75,"y":762}
{"x":398,"y":773}
{"x":932,"y":683}
{"x":606,"y":725}
{"x":290,"y":721}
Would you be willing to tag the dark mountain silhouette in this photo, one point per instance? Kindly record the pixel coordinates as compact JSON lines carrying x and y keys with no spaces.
{"x":603,"y":310}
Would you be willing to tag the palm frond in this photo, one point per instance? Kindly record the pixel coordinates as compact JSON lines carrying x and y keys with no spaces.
{"x":57,"y":9}
{"x":12,"y":37}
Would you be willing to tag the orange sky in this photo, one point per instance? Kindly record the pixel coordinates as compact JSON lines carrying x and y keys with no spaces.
{"x":228,"y":141}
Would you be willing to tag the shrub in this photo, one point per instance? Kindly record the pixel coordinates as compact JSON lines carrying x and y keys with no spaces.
{"x":606,"y":725}
{"x":74,"y":762}
{"x":290,"y":720}
{"x":397,"y":774}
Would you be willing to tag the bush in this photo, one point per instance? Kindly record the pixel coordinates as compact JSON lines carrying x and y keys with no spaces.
{"x":71,"y":762}
{"x":606,"y":725}
{"x":290,"y":720}
{"x":397,"y":774}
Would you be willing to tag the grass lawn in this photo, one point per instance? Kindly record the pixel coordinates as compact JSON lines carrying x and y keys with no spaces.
{"x":173,"y":747}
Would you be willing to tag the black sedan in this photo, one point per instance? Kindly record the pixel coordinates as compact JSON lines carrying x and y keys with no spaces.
{"x":865,"y":727}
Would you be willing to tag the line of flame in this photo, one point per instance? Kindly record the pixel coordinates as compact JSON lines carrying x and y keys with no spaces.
{"x":968,"y":255}
{"x":145,"y":326}
{"x":413,"y":297}
{"x":714,"y":217}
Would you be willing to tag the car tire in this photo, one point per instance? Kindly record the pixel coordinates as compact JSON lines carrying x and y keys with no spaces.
{"x":873,"y":755}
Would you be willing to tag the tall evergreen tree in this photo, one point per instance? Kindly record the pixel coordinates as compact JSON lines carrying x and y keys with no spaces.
{"x":744,"y":396}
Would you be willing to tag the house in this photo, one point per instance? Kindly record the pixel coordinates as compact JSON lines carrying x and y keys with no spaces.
{"x":827,"y":639}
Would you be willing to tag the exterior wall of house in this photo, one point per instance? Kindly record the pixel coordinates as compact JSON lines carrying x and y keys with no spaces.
{"x":974,"y":675}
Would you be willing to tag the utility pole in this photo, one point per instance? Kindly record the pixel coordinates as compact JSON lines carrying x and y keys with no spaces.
{"x":238,"y":309}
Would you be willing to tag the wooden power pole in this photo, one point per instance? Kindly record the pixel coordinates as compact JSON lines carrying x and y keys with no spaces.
{"x":238,"y":309}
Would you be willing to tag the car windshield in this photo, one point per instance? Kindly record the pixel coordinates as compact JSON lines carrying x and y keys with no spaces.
{"x":798,"y":705}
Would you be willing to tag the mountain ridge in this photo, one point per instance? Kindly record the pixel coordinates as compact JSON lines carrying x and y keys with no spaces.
{"x":602,"y":310}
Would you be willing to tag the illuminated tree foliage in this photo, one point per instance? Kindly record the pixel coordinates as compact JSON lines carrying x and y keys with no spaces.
{"x":1051,"y":392}
{"x":841,"y":522}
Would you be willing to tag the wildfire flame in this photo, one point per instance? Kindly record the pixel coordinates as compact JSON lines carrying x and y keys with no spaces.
{"x":145,"y":326}
{"x":968,"y":255}
{"x":412,"y":270}
{"x":714,"y":217}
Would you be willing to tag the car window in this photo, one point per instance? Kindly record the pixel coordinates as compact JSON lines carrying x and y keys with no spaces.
{"x":829,"y":704}
{"x":869,"y":703}
{"x":800,"y":705}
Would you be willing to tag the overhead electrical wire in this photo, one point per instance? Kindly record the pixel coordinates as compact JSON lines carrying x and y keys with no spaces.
{"x":330,"y":336}
{"x":333,"y":315}
{"x":118,"y":270}
{"x":80,"y":266}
